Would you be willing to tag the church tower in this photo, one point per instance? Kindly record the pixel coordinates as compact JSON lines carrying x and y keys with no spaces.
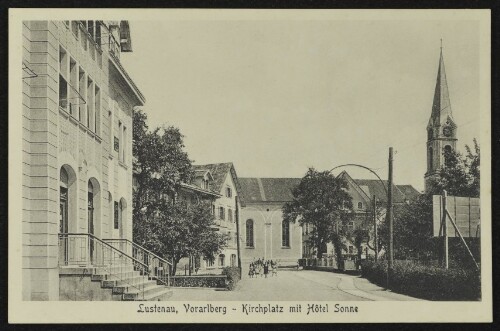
{"x":441,"y":129}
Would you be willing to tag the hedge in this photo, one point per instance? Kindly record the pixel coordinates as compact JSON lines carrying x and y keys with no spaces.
{"x":233,"y":277}
{"x":214,"y":281}
{"x":427,"y":282}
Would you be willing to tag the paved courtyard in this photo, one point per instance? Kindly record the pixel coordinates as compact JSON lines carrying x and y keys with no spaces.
{"x":299,"y":285}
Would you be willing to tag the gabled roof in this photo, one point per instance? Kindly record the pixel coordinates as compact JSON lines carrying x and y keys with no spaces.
{"x":371,"y":187}
{"x":219,"y":171}
{"x":268,"y":189}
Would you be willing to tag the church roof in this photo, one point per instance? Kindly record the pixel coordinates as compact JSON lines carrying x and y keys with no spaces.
{"x":441,"y":106}
{"x":268,"y":189}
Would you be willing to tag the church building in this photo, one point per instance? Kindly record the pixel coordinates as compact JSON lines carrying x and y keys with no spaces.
{"x":441,"y":129}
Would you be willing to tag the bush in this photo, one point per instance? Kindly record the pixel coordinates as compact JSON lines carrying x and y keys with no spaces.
{"x":428,"y":282}
{"x":233,"y":277}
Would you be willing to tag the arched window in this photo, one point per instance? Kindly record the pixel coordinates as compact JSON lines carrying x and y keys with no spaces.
{"x":285,"y":234}
{"x":360,"y":205}
{"x":447,"y":155}
{"x":249,"y":233}
{"x":431,"y":158}
{"x":63,"y":197}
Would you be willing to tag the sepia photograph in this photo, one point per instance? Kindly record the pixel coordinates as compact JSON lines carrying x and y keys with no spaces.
{"x":250,"y":165}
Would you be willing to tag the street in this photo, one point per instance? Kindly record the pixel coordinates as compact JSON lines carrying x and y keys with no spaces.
{"x":295,"y":285}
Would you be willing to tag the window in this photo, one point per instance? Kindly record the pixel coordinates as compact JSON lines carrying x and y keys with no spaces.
{"x":209,"y":263}
{"x":229,"y":193}
{"x":118,"y":147}
{"x":90,"y":104}
{"x":116,"y":214}
{"x":124,"y":143}
{"x":360,"y":205}
{"x":447,"y":155}
{"x":350,"y":225}
{"x":74,"y":28}
{"x":431,"y":158}
{"x":97,"y":109}
{"x":351,"y":249}
{"x":221,"y":213}
{"x":213,"y":210}
{"x":249,"y":233}
{"x":72,"y":97}
{"x":285,"y":234}
{"x":229,"y":215}
{"x":307,"y":228}
{"x":98,"y":33}
{"x":63,"y":82}
{"x":222,"y":259}
{"x":82,"y":89}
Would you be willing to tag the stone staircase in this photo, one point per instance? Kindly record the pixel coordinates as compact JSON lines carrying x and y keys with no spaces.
{"x":128,"y":284}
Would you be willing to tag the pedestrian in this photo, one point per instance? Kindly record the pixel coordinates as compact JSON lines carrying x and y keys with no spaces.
{"x":266,"y":269}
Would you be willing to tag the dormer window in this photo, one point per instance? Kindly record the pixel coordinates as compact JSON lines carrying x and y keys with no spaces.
{"x":360,"y":205}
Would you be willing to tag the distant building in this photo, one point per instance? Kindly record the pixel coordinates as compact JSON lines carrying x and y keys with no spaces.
{"x":441,"y":129}
{"x":77,"y":108}
{"x":362,"y":192}
{"x":221,"y":179}
{"x":263,"y":232}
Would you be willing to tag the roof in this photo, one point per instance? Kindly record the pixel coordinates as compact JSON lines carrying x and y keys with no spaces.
{"x":219,"y":172}
{"x":409,"y":191}
{"x":441,"y":106}
{"x":371,"y":187}
{"x":268,"y":189}
{"x":195,"y":188}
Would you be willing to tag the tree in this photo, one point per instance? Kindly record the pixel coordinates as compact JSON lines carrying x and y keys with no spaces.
{"x":183,"y":230}
{"x":321,"y":200}
{"x":162,"y":224}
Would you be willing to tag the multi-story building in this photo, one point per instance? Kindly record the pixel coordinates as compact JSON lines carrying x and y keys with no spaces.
{"x":221,"y":178}
{"x":78,"y":103}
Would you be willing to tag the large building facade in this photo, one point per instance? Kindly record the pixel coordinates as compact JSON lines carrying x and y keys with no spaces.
{"x":78,"y":104}
{"x":263,"y":232}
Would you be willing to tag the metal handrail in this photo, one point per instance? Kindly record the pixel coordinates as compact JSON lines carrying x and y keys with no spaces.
{"x":105,"y":243}
{"x":140,"y":247}
{"x":155,"y":270}
{"x":95,"y":242}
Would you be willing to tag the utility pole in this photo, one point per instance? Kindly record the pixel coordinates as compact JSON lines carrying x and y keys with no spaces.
{"x":445,"y":231}
{"x":375,"y":230}
{"x":237,"y":216}
{"x":389,"y":214}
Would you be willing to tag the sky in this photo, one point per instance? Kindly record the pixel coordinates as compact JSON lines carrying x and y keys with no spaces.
{"x":278,"y":96}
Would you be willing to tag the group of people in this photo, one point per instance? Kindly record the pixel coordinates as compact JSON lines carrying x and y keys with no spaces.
{"x":263,"y":268}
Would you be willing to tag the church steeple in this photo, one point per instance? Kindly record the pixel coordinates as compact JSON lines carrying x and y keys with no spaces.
{"x":441,"y":129}
{"x":441,"y":106}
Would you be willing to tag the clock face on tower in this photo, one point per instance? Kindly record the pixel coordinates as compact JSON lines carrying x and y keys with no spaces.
{"x":447,"y":131}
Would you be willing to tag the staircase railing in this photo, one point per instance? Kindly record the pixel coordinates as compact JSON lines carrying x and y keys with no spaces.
{"x":85,"y":249}
{"x":159,"y":268}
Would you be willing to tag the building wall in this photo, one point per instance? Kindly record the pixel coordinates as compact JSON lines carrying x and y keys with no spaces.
{"x":53,"y":138}
{"x":267,"y":219}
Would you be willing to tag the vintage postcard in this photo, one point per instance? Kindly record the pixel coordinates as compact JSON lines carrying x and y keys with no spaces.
{"x":249,"y":166}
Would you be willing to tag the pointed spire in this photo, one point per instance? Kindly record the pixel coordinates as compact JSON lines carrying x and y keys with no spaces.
{"x":441,"y":106}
